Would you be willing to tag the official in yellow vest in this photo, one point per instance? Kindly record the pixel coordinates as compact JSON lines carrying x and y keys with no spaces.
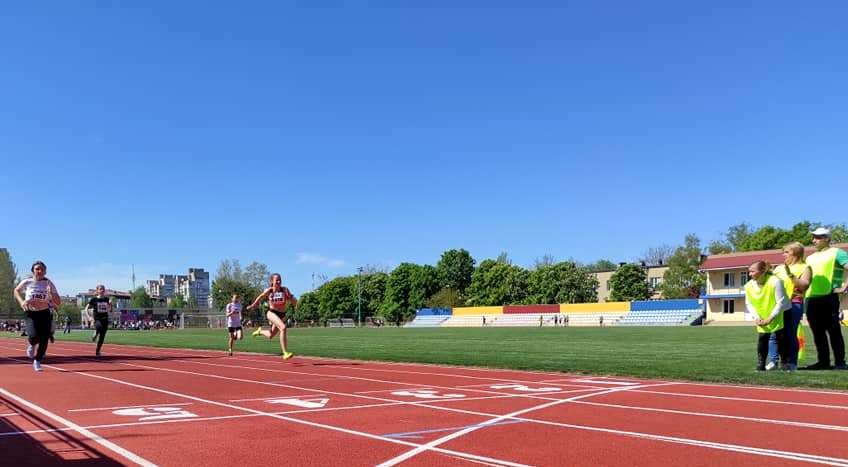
{"x":795,"y":274}
{"x":828,"y":265}
{"x":766,"y":300}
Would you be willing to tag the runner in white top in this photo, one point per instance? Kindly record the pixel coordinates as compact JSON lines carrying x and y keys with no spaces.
{"x":39,"y":298}
{"x":234,"y":321}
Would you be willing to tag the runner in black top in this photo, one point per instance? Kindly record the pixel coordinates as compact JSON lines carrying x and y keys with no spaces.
{"x":100,"y":306}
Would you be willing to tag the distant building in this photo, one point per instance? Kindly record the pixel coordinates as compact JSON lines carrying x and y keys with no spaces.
{"x":655,"y":277}
{"x":726,"y":278}
{"x":194,"y":287}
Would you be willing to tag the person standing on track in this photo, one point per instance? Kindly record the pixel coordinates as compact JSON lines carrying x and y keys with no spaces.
{"x":279,"y":298}
{"x":234,"y":322}
{"x":99,"y":306}
{"x":38,"y":299}
{"x":766,"y":301}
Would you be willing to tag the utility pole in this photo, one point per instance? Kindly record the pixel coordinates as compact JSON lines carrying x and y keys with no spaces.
{"x":359,"y":300}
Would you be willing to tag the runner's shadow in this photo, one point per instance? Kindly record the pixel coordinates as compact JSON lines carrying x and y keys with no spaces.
{"x":43,"y":449}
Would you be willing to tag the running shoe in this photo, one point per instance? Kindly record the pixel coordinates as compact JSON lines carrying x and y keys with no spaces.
{"x":257,"y":332}
{"x":29,"y":350}
{"x":287,"y":355}
{"x":230,"y":353}
{"x":36,"y":366}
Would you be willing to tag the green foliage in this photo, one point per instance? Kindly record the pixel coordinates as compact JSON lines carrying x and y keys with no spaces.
{"x":454,"y":270}
{"x":564,"y":282}
{"x":403,"y":292}
{"x":742,"y":237}
{"x":307,"y":308}
{"x":140,"y":299}
{"x":70,"y":310}
{"x":373,"y":292}
{"x":601,"y":265}
{"x":223,"y":289}
{"x":683,"y":278}
{"x":497,"y":282}
{"x":8,"y":280}
{"x":337,"y":298}
{"x":628,"y":283}
{"x":177,"y":301}
{"x":446,"y":298}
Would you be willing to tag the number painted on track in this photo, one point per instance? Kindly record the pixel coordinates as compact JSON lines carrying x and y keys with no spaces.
{"x":305,"y":403}
{"x":427,"y":394}
{"x":523,"y":388}
{"x":155,"y":413}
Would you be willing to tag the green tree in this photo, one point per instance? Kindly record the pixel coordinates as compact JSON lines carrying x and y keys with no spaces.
{"x":454,"y":270}
{"x":140,"y":299}
{"x":223,"y":289}
{"x":177,"y":301}
{"x":628,"y":283}
{"x":446,"y":298}
{"x":683,"y":278}
{"x":230,"y":269}
{"x":257,"y":275}
{"x":8,"y":280}
{"x":373,"y":292}
{"x":497,"y":282}
{"x":337,"y":298}
{"x":601,"y":265}
{"x":717,"y":247}
{"x":399,"y":301}
{"x":68,"y":310}
{"x":307,"y":308}
{"x":564,"y":282}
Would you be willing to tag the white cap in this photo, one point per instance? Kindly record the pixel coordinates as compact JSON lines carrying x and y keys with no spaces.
{"x":821,"y":232}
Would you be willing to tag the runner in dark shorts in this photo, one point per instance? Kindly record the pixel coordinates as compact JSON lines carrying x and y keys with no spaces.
{"x":279,"y":298}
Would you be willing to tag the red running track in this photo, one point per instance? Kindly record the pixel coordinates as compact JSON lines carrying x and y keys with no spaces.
{"x":149,"y":406}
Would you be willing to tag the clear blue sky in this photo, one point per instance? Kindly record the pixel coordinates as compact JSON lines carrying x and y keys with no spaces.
{"x":319,"y":136}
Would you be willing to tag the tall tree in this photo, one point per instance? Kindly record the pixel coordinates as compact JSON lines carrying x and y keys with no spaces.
{"x":497,"y":283}
{"x":223,"y":288}
{"x":546,"y":260}
{"x":564,"y":282}
{"x":8,"y":280}
{"x":683,"y":278}
{"x":718,"y":247}
{"x":230,"y":269}
{"x":657,"y":255}
{"x":140,"y":299}
{"x":454,"y":270}
{"x":373,"y":292}
{"x":737,"y":235}
{"x":178,"y":302}
{"x":306,"y":309}
{"x":337,"y":298}
{"x":628,"y":283}
{"x":257,"y":275}
{"x":446,"y":298}
{"x":397,"y":305}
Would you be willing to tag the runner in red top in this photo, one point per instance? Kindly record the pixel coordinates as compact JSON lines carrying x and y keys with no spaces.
{"x":279,"y":298}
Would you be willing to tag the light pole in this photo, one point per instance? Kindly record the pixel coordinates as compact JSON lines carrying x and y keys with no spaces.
{"x":359,"y":299}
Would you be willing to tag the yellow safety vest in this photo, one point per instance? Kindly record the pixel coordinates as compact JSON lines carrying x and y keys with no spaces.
{"x":763,"y":301}
{"x":823,"y":264}
{"x":796,"y":269}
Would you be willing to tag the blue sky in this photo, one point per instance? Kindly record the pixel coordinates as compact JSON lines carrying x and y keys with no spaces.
{"x":316,"y":137}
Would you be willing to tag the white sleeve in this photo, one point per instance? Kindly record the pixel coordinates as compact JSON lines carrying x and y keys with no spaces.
{"x":781,"y":300}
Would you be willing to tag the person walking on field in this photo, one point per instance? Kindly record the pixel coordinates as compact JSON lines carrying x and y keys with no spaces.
{"x":828,"y":265}
{"x":766,"y":301}
{"x":279,"y":298}
{"x":37,"y":296}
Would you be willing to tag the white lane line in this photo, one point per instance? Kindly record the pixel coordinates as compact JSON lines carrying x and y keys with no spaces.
{"x":11,"y":414}
{"x":127,"y":407}
{"x":492,"y":421}
{"x":463,"y":455}
{"x":745,"y":399}
{"x":648,"y":436}
{"x":73,"y":426}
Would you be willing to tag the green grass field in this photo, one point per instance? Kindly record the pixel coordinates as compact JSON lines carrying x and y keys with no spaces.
{"x":713,"y":354}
